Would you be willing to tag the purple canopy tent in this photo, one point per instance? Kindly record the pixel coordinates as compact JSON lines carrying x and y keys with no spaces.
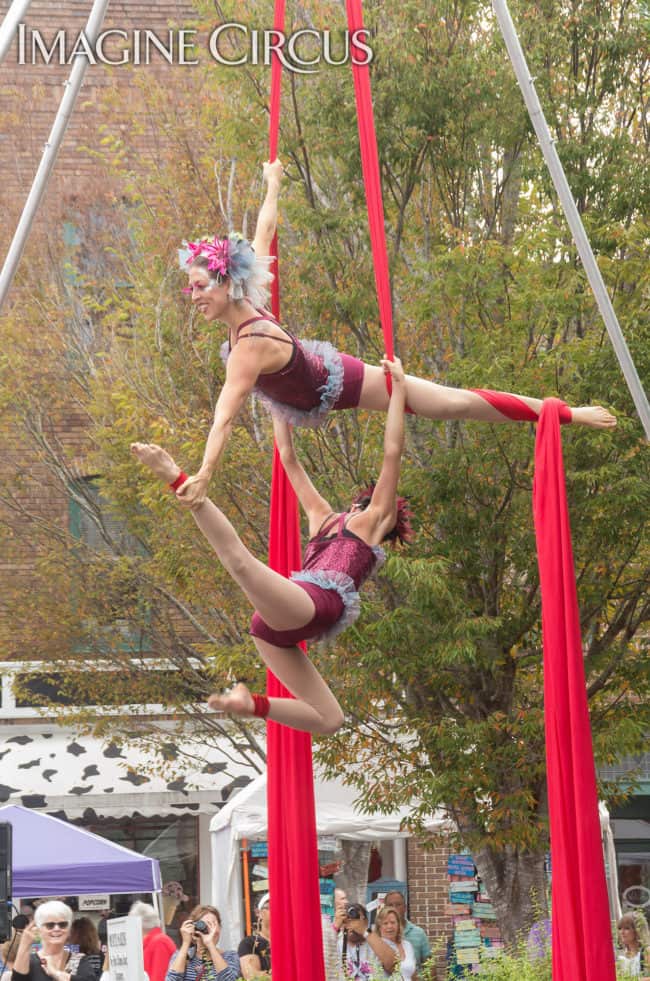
{"x":52,"y":858}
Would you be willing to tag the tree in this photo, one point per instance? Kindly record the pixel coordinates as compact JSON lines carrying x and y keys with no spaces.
{"x":487,"y":292}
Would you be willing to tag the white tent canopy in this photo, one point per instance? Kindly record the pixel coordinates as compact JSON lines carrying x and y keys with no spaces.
{"x":245,"y":816}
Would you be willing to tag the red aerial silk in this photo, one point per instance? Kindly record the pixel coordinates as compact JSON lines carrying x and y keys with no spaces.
{"x":581,"y":942}
{"x":296,"y":933}
{"x":296,"y":936}
{"x":371,"y":179}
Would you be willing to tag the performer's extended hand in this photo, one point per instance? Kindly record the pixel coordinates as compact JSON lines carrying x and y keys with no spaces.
{"x":193,"y":492}
{"x":394,"y":369}
{"x":272,"y":172}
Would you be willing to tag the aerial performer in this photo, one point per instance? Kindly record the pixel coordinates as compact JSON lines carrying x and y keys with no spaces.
{"x":301,"y":381}
{"x":320,"y":600}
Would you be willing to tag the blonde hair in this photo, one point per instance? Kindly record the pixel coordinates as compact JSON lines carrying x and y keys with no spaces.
{"x":199,"y":911}
{"x":382,"y":916}
{"x":636,"y":919}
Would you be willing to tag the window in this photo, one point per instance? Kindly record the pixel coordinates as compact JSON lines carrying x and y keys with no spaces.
{"x":91,"y":522}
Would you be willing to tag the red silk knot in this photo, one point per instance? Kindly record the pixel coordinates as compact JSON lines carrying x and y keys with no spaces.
{"x":515,"y":408}
{"x":262,"y":706}
{"x":182,"y":477}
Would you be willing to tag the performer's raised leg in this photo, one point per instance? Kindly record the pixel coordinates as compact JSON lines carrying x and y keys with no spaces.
{"x":434,"y":401}
{"x":282,"y":603}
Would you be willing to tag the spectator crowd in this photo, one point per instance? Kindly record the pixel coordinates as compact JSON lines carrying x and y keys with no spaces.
{"x":50,"y":943}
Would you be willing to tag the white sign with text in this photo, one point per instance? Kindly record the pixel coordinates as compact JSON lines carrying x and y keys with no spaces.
{"x":125,"y":948}
{"x":99,"y":902}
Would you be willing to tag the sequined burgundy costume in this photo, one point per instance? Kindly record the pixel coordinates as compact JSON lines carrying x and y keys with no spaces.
{"x":334,"y":569}
{"x":316,"y":378}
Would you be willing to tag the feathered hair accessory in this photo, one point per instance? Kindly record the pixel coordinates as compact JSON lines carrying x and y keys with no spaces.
{"x":231,"y":258}
{"x":402,"y":529}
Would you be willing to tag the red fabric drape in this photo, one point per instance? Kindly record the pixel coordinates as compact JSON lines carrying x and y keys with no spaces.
{"x":582,"y":941}
{"x":370,"y":167}
{"x":296,"y":938}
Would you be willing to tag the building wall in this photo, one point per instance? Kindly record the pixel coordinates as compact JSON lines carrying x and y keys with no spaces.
{"x":428,"y":891}
{"x":30,"y":93}
{"x":29,"y":98}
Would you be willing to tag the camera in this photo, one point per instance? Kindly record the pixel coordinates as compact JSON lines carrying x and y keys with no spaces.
{"x":356,"y":911}
{"x":200,"y":926}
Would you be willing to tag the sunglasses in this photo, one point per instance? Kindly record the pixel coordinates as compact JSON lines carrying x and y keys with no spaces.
{"x":61,"y":924}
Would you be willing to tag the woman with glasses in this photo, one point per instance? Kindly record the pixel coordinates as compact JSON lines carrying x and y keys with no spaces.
{"x":53,"y":962}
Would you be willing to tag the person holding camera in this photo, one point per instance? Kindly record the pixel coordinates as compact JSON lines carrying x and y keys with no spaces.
{"x":199,"y":956}
{"x":362,"y":952}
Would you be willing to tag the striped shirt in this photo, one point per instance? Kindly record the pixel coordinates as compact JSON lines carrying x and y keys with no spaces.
{"x":197,"y":970}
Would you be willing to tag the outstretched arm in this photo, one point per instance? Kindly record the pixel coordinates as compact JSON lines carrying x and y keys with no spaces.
{"x":267,"y":219}
{"x":242,"y":371}
{"x":379,"y":947}
{"x":382,"y":510}
{"x":315,"y":507}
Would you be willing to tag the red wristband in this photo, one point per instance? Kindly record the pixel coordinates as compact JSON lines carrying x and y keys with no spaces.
{"x":182,"y":477}
{"x":262,"y":706}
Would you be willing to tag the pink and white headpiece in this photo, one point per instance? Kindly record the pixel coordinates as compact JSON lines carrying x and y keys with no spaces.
{"x":233,"y":258}
{"x":217,"y":252}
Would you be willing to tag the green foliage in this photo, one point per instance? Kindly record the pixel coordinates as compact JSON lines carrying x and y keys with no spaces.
{"x":516,"y":967}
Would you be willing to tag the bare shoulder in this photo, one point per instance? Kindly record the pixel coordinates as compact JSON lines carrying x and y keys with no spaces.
{"x":265,"y":326}
{"x":364,"y":525}
{"x":265,"y":344}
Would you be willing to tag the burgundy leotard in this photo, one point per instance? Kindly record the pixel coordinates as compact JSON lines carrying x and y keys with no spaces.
{"x":334,"y":569}
{"x":316,"y":378}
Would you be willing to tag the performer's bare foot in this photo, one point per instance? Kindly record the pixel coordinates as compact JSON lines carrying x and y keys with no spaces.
{"x":158,"y":461}
{"x":237,"y":701}
{"x":594,"y":416}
